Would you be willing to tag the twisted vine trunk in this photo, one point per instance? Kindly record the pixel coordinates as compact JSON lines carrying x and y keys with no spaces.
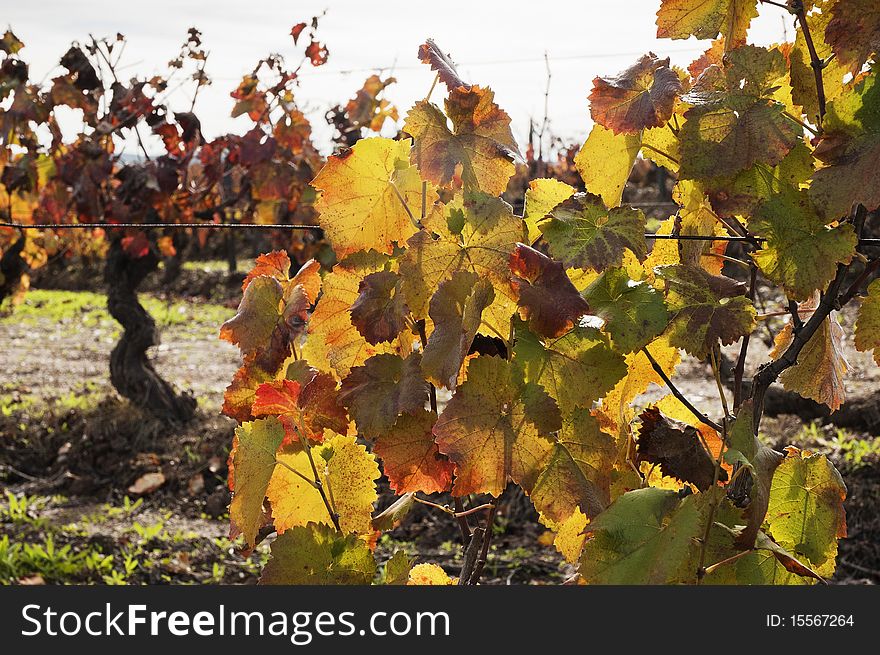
{"x":131,"y":372}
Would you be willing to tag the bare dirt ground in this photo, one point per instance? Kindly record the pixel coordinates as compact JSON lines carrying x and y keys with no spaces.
{"x":73,"y":448}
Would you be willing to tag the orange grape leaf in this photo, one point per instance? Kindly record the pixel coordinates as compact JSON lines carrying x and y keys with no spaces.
{"x":382,"y":389}
{"x":548,"y":300}
{"x":310,"y":405}
{"x":239,"y":395}
{"x":431,"y":54}
{"x":410,"y":457}
{"x":705,"y":309}
{"x":456,"y":311}
{"x":582,"y":233}
{"x":315,"y":554}
{"x":576,"y":369}
{"x":854,"y":32}
{"x":480,"y":141}
{"x":800,"y":253}
{"x":640,"y":97}
{"x":253,"y":457}
{"x":821,"y":367}
{"x":577,"y":476}
{"x":706,"y":19}
{"x":379,"y":312}
{"x":274,"y":264}
{"x":867,"y":336}
{"x":365,"y":193}
{"x":676,"y":448}
{"x":494,"y":429}
{"x":348,"y":474}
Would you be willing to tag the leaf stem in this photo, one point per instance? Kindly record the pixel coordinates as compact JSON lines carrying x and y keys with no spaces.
{"x":675,"y":392}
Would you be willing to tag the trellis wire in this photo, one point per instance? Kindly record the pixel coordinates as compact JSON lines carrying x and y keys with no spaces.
{"x":286,"y":226}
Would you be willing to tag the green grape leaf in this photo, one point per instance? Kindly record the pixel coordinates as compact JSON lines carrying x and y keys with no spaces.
{"x":604,"y":162}
{"x":800,"y":253}
{"x":576,"y":369}
{"x":480,"y":140}
{"x":548,"y":301}
{"x":806,"y":514}
{"x":705,"y":309}
{"x":867,"y":334}
{"x":582,"y":233}
{"x":315,"y":554}
{"x":640,"y":97}
{"x":386,"y":386}
{"x":397,"y":568}
{"x":634,"y":312}
{"x":253,"y":460}
{"x":494,"y":429}
{"x":456,"y":310}
{"x":379,"y":312}
{"x":410,"y":457}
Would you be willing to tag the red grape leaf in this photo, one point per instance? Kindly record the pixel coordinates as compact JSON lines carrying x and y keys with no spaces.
{"x":379,"y":312}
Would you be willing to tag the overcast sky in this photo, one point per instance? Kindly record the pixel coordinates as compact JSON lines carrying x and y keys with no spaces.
{"x":496,"y":43}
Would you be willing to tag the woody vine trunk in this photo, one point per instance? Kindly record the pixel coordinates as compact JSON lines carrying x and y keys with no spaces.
{"x":131,"y":372}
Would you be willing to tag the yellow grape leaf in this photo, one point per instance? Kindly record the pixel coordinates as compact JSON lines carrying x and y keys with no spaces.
{"x":800,"y":252}
{"x":363,"y":190}
{"x":698,"y":219}
{"x":706,"y":19}
{"x":346,"y":470}
{"x":543,"y":195}
{"x":488,"y":235}
{"x":867,"y":335}
{"x":428,"y":574}
{"x":253,"y":459}
{"x":316,"y":554}
{"x":819,"y":373}
{"x":480,"y":141}
{"x":570,"y":537}
{"x":803,"y":79}
{"x":494,"y":429}
{"x":334,"y":344}
{"x":605,"y":161}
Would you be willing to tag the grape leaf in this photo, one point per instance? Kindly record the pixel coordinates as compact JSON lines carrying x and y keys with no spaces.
{"x":706,"y":19}
{"x":850,"y":145}
{"x":640,"y":97}
{"x":431,"y":54}
{"x":494,"y":429}
{"x":821,"y":366}
{"x":239,"y":395}
{"x":577,"y":476}
{"x":253,"y":458}
{"x":333,"y":343}
{"x":676,"y":448}
{"x":390,"y":517}
{"x":488,"y":235}
{"x":581,"y":232}
{"x":867,"y":333}
{"x":348,"y":474}
{"x":548,"y":301}
{"x":576,"y":369}
{"x":801,"y":254}
{"x":854,"y":32}
{"x":379,"y":312}
{"x":397,"y":569}
{"x":382,"y":389}
{"x":634,"y":312}
{"x":604,"y":162}
{"x":705,"y":308}
{"x":806,"y":513}
{"x":456,"y":310}
{"x":543,"y":195}
{"x":480,"y":141}
{"x":360,"y":206}
{"x":410,"y":457}
{"x":735,"y":123}
{"x":316,"y":554}
{"x":273,"y":264}
{"x":428,"y":574}
{"x":647,"y":536}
